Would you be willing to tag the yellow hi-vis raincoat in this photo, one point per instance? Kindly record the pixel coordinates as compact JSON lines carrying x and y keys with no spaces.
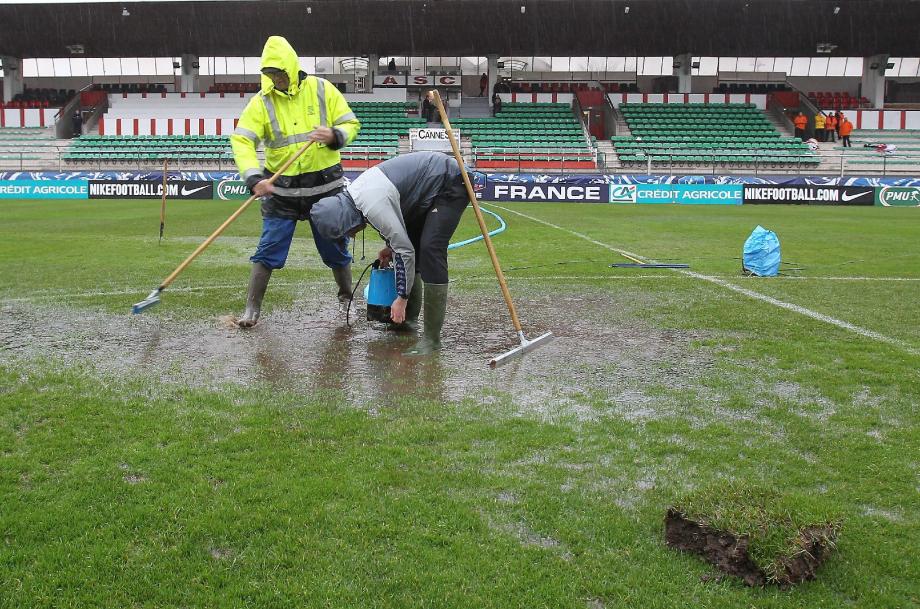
{"x":282,"y":119}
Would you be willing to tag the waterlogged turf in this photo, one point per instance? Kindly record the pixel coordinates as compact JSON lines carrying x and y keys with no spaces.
{"x":168,"y":460}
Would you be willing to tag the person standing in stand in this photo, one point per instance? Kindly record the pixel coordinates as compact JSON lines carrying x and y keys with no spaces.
{"x":846,"y":128}
{"x":830,"y":128}
{"x":801,"y":122}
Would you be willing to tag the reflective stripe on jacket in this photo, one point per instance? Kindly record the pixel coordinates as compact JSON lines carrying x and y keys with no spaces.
{"x":282,"y":119}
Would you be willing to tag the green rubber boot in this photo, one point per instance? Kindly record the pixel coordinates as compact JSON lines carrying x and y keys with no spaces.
{"x":258,"y":283}
{"x":343,"y":281}
{"x":435,"y":310}
{"x":413,"y":308}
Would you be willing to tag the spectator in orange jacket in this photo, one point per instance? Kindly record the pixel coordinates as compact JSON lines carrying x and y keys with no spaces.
{"x":846,"y":128}
{"x":830,"y":128}
{"x":800,"y":121}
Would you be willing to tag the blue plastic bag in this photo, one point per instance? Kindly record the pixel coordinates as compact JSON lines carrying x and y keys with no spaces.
{"x":761,"y":255}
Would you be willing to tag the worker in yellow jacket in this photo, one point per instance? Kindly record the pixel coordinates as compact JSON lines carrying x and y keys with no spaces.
{"x":820,"y":120}
{"x":291,"y":109}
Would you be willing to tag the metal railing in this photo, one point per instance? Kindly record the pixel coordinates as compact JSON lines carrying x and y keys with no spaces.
{"x":839,"y":165}
{"x":559,"y":160}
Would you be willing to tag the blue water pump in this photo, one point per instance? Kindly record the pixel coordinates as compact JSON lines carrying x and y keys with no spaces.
{"x":381,"y":292}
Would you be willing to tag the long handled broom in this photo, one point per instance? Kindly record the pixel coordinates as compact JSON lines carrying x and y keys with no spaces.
{"x":154,"y":296}
{"x":526,"y":345}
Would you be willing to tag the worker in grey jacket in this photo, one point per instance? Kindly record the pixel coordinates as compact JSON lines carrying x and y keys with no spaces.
{"x":415,"y":202}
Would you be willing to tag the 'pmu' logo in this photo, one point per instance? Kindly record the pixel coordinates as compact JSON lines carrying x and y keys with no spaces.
{"x":623,"y":194}
{"x":899,"y":195}
{"x":232,"y":189}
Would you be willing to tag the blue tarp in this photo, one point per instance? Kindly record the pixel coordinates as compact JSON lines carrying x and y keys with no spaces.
{"x":761,"y":253}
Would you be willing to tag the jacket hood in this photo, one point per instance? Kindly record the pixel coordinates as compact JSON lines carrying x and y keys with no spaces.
{"x":335,"y":216}
{"x":278,"y":53}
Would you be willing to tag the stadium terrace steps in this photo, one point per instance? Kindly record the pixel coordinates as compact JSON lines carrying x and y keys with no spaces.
{"x":705,"y":134}
{"x":29,"y":148}
{"x":475,"y":107}
{"x":528,"y":135}
{"x":135,"y":150}
{"x":383,"y":124}
{"x":905,"y":160}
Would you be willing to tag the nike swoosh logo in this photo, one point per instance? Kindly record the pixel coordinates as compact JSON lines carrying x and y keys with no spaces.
{"x":849,"y":197}
{"x":186,"y":192}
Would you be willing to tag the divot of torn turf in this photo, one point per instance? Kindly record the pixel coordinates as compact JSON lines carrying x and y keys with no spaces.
{"x":758,"y":535}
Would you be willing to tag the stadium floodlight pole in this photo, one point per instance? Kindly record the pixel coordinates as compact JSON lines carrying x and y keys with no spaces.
{"x":526,"y":345}
{"x":154,"y":296}
{"x":163,"y":204}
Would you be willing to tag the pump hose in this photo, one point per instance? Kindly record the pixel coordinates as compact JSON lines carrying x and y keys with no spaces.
{"x":492,"y":233}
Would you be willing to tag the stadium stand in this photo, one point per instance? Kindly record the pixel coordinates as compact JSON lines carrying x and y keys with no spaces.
{"x":863,"y":158}
{"x":711,"y":134}
{"x":28,"y":147}
{"x":234,"y":87}
{"x":148,"y":149}
{"x":382,"y":125}
{"x":571,"y":87}
{"x":154,"y":117}
{"x":134,"y":87}
{"x":39,"y":98}
{"x":529,"y":135}
{"x":751,"y":88}
{"x":837,"y":100}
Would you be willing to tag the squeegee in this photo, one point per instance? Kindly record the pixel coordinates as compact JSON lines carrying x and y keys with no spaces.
{"x":154,"y":297}
{"x":526,"y":345}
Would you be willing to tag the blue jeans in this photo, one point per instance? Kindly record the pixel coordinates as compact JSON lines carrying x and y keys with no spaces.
{"x":275,"y":243}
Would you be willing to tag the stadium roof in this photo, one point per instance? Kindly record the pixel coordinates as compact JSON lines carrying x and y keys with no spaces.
{"x":464,"y":27}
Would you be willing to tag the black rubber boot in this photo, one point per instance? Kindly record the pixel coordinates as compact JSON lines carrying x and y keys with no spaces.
{"x":258,"y":283}
{"x":413,"y":308}
{"x":435,"y":311}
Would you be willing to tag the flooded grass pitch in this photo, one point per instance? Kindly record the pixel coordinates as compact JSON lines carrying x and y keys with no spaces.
{"x":309,"y":347}
{"x":171,"y":459}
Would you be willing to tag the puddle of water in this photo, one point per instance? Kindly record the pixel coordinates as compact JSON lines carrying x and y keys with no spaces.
{"x":599,"y":351}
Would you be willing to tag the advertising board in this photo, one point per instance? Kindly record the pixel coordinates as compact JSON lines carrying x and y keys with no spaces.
{"x":42,"y":189}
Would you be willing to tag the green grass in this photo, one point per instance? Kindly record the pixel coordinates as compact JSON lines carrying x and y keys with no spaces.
{"x":540,"y":485}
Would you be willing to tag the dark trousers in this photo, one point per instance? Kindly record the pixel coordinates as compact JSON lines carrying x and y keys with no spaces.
{"x":819,"y":135}
{"x":846,"y":141}
{"x":830,"y":135}
{"x":800,"y":133}
{"x":430,"y":234}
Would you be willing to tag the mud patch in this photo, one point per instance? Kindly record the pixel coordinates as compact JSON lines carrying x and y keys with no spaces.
{"x":730,"y":553}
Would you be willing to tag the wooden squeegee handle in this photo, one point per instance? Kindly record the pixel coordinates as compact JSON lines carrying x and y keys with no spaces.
{"x":172,"y":276}
{"x":482,"y":222}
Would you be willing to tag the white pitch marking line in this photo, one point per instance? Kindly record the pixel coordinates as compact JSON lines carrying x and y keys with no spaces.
{"x":129,"y":292}
{"x":510,"y":275}
{"x":750,"y":293}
